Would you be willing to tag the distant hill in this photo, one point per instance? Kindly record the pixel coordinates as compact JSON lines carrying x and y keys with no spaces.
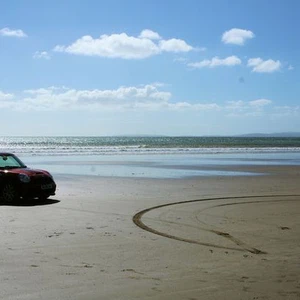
{"x":276,"y":134}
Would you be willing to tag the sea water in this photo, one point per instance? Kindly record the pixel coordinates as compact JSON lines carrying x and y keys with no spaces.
{"x":154,"y":157}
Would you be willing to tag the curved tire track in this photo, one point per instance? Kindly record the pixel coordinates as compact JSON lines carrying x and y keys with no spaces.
{"x":137,"y":219}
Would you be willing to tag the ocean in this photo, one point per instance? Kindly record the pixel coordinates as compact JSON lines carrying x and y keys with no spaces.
{"x":155,"y":157}
{"x":56,"y":146}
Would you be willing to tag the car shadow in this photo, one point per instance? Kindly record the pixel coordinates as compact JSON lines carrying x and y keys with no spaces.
{"x":31,"y":202}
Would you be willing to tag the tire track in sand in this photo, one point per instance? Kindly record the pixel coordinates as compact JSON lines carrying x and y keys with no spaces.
{"x":137,"y":220}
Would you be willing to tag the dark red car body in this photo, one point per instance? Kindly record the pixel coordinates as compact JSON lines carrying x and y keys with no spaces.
{"x":18,"y":181}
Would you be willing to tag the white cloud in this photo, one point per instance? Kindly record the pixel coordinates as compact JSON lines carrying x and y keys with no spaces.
{"x":124,"y":46}
{"x":54,"y":98}
{"x":12,"y":32}
{"x":174,"y":45}
{"x":4,"y":96}
{"x":181,"y":59}
{"x":151,"y":97}
{"x":41,"y":55}
{"x":216,"y":62}
{"x":149,"y":34}
{"x":252,"y":62}
{"x":286,"y":111}
{"x":235,"y":105}
{"x":114,"y":46}
{"x":290,"y":68}
{"x":6,"y":100}
{"x":194,"y":106}
{"x":237,"y":36}
{"x":264,"y":66}
{"x":247,"y":108}
{"x":260,"y":102}
{"x":46,"y":90}
{"x":144,"y":98}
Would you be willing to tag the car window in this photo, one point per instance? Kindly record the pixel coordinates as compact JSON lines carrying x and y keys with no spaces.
{"x":8,"y":161}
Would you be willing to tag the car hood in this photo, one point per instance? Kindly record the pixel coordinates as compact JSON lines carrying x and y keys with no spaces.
{"x":29,"y":172}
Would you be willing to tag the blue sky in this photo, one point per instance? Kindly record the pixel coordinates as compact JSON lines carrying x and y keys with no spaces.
{"x":149,"y":67}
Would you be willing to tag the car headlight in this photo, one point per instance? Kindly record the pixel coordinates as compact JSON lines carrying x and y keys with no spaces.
{"x":24,"y":178}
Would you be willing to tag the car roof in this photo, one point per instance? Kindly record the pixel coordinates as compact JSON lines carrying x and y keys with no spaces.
{"x":6,"y":153}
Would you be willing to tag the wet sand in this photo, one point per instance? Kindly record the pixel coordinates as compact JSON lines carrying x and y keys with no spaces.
{"x":199,"y":238}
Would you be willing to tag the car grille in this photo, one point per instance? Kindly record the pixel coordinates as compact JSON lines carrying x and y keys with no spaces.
{"x":41,"y":179}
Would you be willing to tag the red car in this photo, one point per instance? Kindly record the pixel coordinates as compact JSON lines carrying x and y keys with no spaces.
{"x":17,"y":181}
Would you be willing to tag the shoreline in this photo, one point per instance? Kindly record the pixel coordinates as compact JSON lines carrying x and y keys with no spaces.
{"x":163,"y":166}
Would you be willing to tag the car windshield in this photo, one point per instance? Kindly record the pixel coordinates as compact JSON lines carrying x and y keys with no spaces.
{"x":10,"y":162}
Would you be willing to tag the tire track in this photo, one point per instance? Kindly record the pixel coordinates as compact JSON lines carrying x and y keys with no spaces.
{"x":137,"y":220}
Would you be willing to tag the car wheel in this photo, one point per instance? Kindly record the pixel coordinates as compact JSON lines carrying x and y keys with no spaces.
{"x":9,"y":193}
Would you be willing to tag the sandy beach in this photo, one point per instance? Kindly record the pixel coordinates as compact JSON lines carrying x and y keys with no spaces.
{"x":149,"y":150}
{"x":217,"y":237}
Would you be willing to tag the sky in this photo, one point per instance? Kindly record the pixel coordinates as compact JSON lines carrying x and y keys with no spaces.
{"x":135,"y":67}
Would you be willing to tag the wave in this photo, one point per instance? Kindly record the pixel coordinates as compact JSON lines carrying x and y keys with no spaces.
{"x":135,"y":150}
{"x":56,"y":146}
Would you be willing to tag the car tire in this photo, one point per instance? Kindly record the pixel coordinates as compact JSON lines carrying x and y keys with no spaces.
{"x":9,"y":193}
